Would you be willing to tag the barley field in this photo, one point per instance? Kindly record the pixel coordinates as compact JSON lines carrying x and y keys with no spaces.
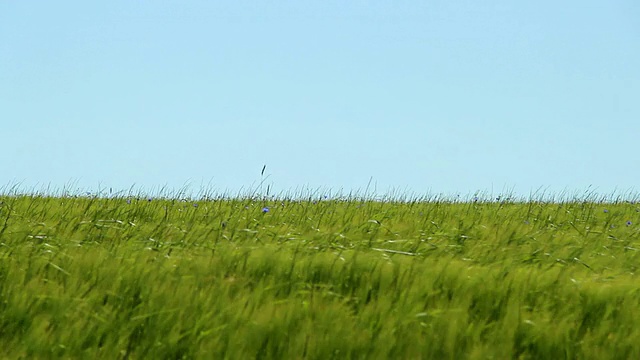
{"x":132,"y":277}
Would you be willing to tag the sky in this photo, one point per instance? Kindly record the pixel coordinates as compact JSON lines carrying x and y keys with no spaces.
{"x":415,"y":97}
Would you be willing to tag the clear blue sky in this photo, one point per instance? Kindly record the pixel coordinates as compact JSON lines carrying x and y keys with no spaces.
{"x":421,"y":96}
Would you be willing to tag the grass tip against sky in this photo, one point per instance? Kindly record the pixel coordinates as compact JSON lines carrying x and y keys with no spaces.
{"x":426,"y":97}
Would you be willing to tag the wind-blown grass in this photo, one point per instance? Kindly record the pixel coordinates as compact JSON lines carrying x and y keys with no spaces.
{"x":84,"y":277}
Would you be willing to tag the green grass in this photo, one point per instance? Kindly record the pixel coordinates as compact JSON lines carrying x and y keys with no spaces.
{"x":165,"y":279}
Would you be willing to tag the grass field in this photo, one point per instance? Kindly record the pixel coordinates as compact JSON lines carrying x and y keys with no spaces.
{"x":87,"y":277}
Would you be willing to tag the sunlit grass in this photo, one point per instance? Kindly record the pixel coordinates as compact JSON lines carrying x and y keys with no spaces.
{"x":139,"y":277}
